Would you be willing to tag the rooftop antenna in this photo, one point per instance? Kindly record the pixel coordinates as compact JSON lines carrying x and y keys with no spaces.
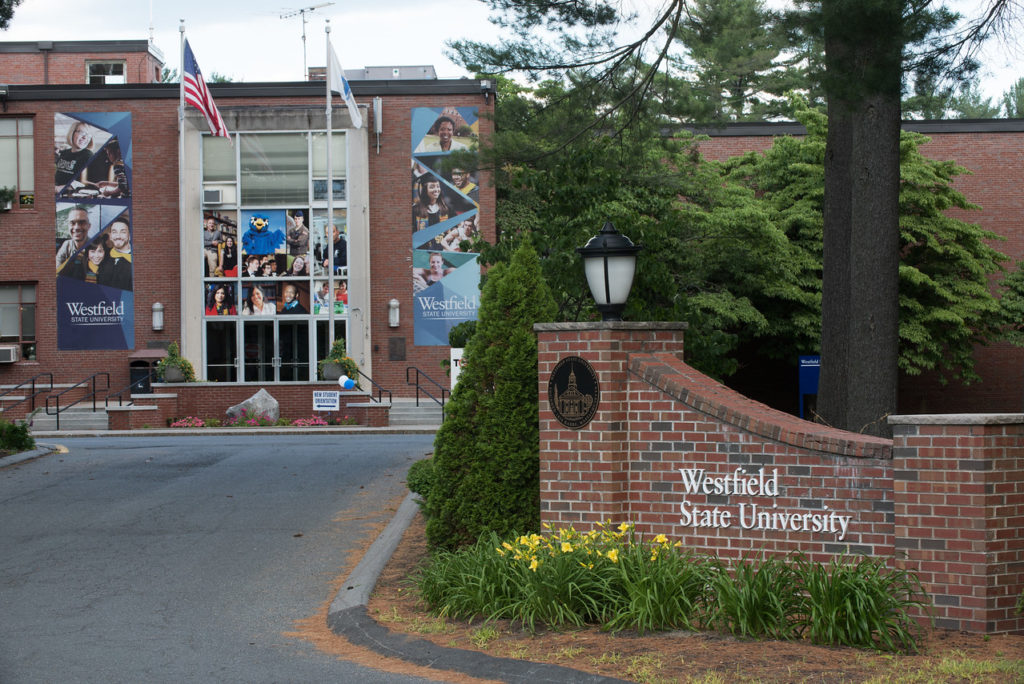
{"x":302,"y":12}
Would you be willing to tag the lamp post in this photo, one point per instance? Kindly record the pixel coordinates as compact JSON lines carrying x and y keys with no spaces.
{"x":609,"y":260}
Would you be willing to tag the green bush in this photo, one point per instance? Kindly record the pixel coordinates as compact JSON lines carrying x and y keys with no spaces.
{"x":486,"y":459}
{"x":419,"y":479}
{"x":757,"y":599}
{"x":174,"y":359}
{"x":15,"y":437}
{"x":618,"y":580}
{"x":860,"y":604}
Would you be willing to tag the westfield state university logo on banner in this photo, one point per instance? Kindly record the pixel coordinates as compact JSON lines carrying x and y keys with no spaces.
{"x":95,"y":272}
{"x":445,"y":220}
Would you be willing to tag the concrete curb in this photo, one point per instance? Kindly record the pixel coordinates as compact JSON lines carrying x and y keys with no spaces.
{"x":347,"y":617}
{"x":21,"y":457}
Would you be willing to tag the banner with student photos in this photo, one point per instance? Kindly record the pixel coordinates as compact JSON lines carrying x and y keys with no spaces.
{"x":259,"y":262}
{"x":95,"y":271}
{"x":445,"y":219}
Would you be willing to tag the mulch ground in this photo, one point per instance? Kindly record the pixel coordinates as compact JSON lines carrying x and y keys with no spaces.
{"x":690,"y":656}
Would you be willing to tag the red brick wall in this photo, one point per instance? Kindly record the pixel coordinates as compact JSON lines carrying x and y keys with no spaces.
{"x":53,"y":68}
{"x":943,"y":500}
{"x":959,"y":505}
{"x":31,"y":233}
{"x":205,"y":401}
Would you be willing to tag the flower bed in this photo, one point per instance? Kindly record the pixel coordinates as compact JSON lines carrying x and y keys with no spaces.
{"x":258,"y":420}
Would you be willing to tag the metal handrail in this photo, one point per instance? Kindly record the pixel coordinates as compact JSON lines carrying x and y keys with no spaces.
{"x":419,"y":388}
{"x":380,"y":390}
{"x":151,"y":376}
{"x":92,"y":394}
{"x":33,"y":394}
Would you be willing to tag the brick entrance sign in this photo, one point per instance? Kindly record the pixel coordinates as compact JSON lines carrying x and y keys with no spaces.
{"x":677,"y":453}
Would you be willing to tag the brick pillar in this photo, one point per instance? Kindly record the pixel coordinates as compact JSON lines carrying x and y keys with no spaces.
{"x":959,"y":515}
{"x":583,"y":472}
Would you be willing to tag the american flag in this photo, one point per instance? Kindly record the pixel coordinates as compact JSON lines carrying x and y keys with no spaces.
{"x":197,"y":95}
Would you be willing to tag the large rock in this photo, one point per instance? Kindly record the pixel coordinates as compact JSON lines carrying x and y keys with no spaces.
{"x":260,"y":403}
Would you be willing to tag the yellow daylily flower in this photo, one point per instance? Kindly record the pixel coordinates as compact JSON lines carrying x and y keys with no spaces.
{"x":534,"y":564}
{"x":661,"y":539}
{"x":566,"y":547}
{"x":613,"y":555}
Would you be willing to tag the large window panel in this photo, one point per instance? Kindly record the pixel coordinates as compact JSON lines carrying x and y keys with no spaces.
{"x":274,"y":168}
{"x":339,"y":162}
{"x":218,"y":159}
{"x":17,"y":163}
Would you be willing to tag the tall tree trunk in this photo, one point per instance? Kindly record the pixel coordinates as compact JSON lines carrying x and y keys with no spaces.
{"x":860,"y":287}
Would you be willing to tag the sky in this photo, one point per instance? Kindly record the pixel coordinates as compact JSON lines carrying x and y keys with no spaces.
{"x":249,"y":41}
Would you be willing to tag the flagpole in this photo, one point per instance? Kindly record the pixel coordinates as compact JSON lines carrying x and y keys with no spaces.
{"x":182,"y":247}
{"x":330,"y":194}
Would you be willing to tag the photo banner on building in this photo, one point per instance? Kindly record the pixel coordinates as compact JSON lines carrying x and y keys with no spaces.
{"x":445,"y":220}
{"x":93,"y":221}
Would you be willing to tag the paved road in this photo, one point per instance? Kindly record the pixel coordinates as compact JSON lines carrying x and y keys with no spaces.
{"x":186,"y":559}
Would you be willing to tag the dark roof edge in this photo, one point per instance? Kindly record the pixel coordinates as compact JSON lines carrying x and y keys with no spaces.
{"x":81,"y":46}
{"x":84,"y":46}
{"x":770,"y":129}
{"x":226,"y":91}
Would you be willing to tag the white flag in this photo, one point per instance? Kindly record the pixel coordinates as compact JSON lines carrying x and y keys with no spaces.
{"x":336,"y":78}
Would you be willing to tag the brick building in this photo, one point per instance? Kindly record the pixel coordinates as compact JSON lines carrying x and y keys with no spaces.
{"x":265,"y":187}
{"x":992,"y":151}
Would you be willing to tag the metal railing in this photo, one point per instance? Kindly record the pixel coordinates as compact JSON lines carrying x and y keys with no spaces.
{"x":55,"y":398}
{"x":420,"y":388}
{"x":33,"y":392}
{"x":138,"y":383}
{"x":380,"y":390}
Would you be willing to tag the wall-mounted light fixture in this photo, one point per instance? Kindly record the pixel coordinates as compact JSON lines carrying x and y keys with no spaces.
{"x":158,"y":316}
{"x":393,"y":313}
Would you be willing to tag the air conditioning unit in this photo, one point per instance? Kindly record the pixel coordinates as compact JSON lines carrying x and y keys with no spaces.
{"x":211,"y":196}
{"x":9,"y":353}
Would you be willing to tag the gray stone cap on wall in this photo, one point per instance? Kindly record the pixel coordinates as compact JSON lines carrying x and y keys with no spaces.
{"x":958,"y":419}
{"x":611,"y":325}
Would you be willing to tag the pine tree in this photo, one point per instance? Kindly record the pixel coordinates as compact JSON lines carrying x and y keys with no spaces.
{"x":486,"y":453}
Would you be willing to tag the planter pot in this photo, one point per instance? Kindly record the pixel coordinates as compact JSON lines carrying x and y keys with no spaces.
{"x":332,"y":371}
{"x":173,"y":374}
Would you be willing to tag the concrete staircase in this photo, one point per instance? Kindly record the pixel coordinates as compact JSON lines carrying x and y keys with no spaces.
{"x":74,"y":418}
{"x":405,"y":413}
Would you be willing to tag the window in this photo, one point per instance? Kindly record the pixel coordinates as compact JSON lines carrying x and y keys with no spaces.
{"x":17,"y":168}
{"x":339,"y":158}
{"x":18,"y":318}
{"x":278,"y":179}
{"x":274,"y":168}
{"x":104,"y":73}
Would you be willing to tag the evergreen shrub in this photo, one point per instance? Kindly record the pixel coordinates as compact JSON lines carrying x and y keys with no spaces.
{"x":486,"y":452}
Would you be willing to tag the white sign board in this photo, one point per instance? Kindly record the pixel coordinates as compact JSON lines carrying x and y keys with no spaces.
{"x":326,"y":400}
{"x":456,"y":367}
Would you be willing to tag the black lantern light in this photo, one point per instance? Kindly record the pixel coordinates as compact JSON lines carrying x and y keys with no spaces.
{"x":609,"y":260}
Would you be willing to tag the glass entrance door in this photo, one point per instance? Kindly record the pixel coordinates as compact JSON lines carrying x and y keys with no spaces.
{"x":258,"y":351}
{"x":293,"y":346}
